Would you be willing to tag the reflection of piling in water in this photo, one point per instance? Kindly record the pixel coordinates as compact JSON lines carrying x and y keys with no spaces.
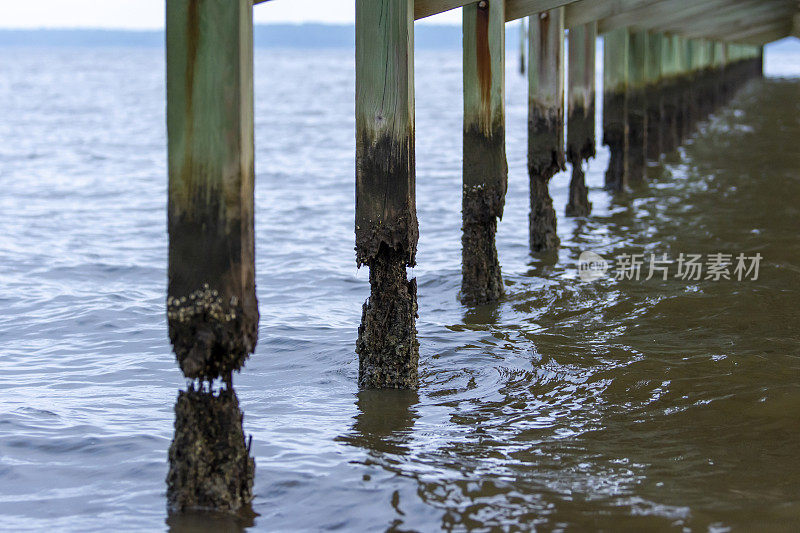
{"x":210,"y":463}
{"x":211,"y":304}
{"x":485,"y":171}
{"x":386,"y":218}
{"x":580,"y":116}
{"x":545,"y":122}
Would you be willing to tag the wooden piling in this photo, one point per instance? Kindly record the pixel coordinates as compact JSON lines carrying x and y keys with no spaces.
{"x":386,"y":220}
{"x":211,"y":304}
{"x":616,"y":48}
{"x":667,"y":83}
{"x":523,"y":41}
{"x":545,"y":122}
{"x":485,"y":168}
{"x":637,"y":106}
{"x":655,"y":96}
{"x":580,"y":116}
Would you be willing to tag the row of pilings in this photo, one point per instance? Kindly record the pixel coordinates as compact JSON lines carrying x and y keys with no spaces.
{"x":656,"y":88}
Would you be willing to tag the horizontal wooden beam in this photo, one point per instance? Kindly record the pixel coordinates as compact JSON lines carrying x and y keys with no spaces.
{"x":517,"y":9}
{"x":585,"y":11}
{"x":763,"y":33}
{"x":427,"y":8}
{"x":732,"y":23}
{"x":661,"y":13}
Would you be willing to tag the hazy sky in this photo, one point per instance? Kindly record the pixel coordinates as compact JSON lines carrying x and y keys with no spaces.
{"x":150,"y":13}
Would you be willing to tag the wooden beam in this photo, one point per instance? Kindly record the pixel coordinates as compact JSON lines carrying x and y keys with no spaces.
{"x":545,"y":122}
{"x":386,"y":218}
{"x":427,"y":8}
{"x":763,"y":34}
{"x":616,"y":56}
{"x":210,"y":156}
{"x":485,"y":171}
{"x":580,"y":113}
{"x":517,"y":9}
{"x":578,"y":13}
{"x":725,"y":20}
{"x":211,"y":305}
{"x":657,"y":14}
{"x":637,"y":106}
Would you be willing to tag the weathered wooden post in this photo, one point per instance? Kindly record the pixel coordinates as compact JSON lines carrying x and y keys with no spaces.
{"x":485,"y":168}
{"x":655,"y":96}
{"x":691,"y":91}
{"x":637,"y":106}
{"x":523,"y":40}
{"x":616,"y":48}
{"x":545,"y":121}
{"x":684,"y":95}
{"x":211,"y":305}
{"x":580,"y":117}
{"x":386,"y":216}
{"x":670,"y":95}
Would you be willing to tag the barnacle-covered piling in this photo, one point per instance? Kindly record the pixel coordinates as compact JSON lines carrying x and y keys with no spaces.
{"x":211,"y":303}
{"x":485,"y":168}
{"x":545,"y":122}
{"x":616,"y":48}
{"x":580,"y":116}
{"x":386,"y":219}
{"x":655,"y":97}
{"x":637,"y":107}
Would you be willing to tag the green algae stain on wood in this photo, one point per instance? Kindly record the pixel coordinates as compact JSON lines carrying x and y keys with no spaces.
{"x":385,"y":202}
{"x":485,"y":168}
{"x":386,"y":220}
{"x":211,"y":178}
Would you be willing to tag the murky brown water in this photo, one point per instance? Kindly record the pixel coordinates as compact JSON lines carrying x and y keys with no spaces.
{"x":615,"y":405}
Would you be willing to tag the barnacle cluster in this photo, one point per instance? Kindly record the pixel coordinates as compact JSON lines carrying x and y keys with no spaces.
{"x":204,"y":302}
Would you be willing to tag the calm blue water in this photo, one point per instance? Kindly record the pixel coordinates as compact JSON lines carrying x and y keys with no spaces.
{"x":615,"y":405}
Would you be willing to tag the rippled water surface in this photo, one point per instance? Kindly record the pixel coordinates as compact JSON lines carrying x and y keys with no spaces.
{"x":612,"y":404}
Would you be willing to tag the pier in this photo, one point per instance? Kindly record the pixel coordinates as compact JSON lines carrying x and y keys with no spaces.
{"x":668,"y":64}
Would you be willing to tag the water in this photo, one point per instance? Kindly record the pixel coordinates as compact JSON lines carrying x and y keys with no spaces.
{"x":614,"y":404}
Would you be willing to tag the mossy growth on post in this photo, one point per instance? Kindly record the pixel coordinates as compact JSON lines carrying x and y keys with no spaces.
{"x":545,"y":122}
{"x":637,"y":106}
{"x":616,"y":56}
{"x":485,"y":168}
{"x":211,"y":304}
{"x":386,"y":219}
{"x":580,"y":115}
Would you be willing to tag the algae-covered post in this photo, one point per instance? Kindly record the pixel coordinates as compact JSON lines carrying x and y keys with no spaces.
{"x":637,"y":106}
{"x":616,"y":48}
{"x":212,"y":310}
{"x":386,"y":217}
{"x":655,"y":97}
{"x":580,"y":115}
{"x":545,"y":121}
{"x":485,"y":169}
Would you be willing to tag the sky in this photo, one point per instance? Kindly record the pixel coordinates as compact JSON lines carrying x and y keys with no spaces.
{"x":149,"y":14}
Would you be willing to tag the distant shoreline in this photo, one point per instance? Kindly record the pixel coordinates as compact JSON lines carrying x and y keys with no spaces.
{"x":266,"y":36}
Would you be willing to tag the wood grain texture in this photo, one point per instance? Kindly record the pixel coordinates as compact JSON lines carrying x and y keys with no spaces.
{"x":211,"y":175}
{"x":385,"y":179}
